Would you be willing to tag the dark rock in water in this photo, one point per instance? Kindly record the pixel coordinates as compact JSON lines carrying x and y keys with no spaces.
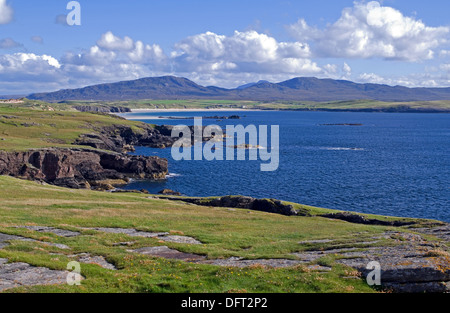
{"x":80,"y":168}
{"x":241,"y":202}
{"x":169,"y":192}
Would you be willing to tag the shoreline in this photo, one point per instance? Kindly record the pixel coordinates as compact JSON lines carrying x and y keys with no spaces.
{"x":356,"y":110}
{"x":189,"y":110}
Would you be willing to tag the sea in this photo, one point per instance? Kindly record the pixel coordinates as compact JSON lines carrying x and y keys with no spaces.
{"x":393,"y":164}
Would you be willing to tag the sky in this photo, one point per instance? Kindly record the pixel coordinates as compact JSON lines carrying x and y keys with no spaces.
{"x":222,"y":43}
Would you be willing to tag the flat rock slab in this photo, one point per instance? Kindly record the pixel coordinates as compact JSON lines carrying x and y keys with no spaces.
{"x":128,"y":231}
{"x":4,"y":241}
{"x":307,"y":242}
{"x":442,"y":232}
{"x":52,"y":230}
{"x":90,"y":259}
{"x":410,"y":265}
{"x":405,"y":268}
{"x":14,"y":275}
{"x":167,"y":253}
{"x":162,"y":236}
{"x":181,"y":239}
{"x":238,"y":262}
{"x":312,"y":256}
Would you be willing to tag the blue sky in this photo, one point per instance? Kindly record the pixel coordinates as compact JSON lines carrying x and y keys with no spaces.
{"x":224,"y":43}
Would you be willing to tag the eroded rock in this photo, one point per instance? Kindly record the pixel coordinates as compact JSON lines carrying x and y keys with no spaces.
{"x":14,"y":275}
{"x":167,"y":253}
{"x":93,"y":259}
{"x":241,"y":202}
{"x":52,"y":230}
{"x":164,"y":236}
{"x":128,"y":231}
{"x":76,"y":168}
{"x":4,"y":241}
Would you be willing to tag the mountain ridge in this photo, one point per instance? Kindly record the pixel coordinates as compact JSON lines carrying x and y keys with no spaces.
{"x":299,"y":88}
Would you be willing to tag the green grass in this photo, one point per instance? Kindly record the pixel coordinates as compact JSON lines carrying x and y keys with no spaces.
{"x":225,"y":233}
{"x":24,"y":128}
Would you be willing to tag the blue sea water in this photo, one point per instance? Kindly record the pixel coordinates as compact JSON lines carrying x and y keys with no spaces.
{"x":395,"y":164}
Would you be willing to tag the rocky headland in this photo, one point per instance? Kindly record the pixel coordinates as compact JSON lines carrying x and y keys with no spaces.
{"x":81,"y":168}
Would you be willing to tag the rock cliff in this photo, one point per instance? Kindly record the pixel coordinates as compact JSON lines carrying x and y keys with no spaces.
{"x":80,"y":168}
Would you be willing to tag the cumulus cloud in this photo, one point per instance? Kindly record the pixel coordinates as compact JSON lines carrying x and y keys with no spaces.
{"x":21,"y":72}
{"x":248,"y":51}
{"x":6,"y":12}
{"x":370,"y":30}
{"x":111,"y":49}
{"x":109,"y":41}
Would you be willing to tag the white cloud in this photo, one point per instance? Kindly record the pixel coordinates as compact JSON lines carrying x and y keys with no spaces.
{"x":245,"y":52}
{"x":374,"y":79}
{"x":6,"y":12}
{"x":347,"y":70}
{"x":370,"y":30}
{"x":146,"y":54}
{"x":109,"y":41}
{"x":25,"y":72}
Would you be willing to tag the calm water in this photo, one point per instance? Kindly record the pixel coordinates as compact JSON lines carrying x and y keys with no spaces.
{"x":395,"y":164}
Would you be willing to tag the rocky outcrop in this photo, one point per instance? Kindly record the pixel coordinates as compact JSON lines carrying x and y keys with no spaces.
{"x":22,"y":274}
{"x":80,"y":168}
{"x":360,"y":219}
{"x":241,"y":202}
{"x":412,"y":265}
{"x":169,"y":192}
{"x":122,"y":138}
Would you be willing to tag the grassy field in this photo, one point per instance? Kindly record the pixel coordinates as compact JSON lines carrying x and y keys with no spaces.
{"x":22,"y":128}
{"x":223,"y":232}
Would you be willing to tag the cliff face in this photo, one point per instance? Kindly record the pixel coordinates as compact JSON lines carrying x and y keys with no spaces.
{"x":80,"y":168}
{"x":120,"y":138}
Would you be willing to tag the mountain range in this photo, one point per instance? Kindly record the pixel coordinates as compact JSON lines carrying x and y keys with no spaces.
{"x":298,"y":89}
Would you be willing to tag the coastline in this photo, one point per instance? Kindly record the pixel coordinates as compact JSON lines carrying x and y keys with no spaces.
{"x":149,"y":117}
{"x":189,"y":110}
{"x":356,"y":110}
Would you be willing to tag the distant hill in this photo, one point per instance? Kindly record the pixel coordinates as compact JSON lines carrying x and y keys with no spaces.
{"x":251,"y":84}
{"x":300,"y":89}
